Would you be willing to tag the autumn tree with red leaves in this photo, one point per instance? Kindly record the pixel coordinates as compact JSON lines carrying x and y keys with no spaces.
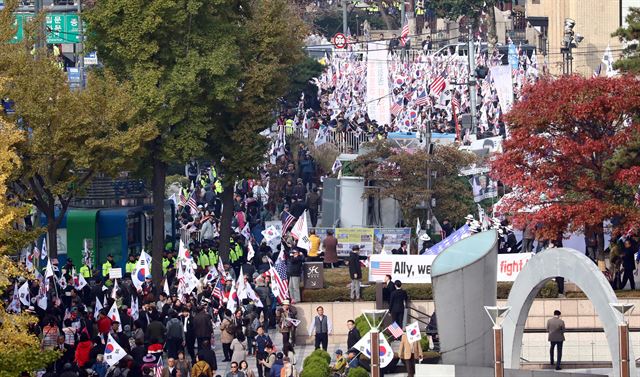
{"x":573,"y":156}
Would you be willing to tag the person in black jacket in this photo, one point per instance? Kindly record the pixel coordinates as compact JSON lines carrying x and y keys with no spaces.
{"x":207,"y":354}
{"x":355,"y":272}
{"x":294,"y":271}
{"x":397,"y":302}
{"x":353,"y":336}
{"x":388,"y":288}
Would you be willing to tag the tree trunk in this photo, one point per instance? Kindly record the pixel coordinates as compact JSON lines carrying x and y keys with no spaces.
{"x":492,"y":32}
{"x":599,"y":230}
{"x":225,"y":222}
{"x":52,"y":232}
{"x":158,"y":182}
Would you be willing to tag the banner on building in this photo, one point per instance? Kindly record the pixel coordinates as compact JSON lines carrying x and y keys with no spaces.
{"x":417,"y":268}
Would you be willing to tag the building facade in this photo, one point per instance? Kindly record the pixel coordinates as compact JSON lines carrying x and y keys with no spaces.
{"x":595,"y":21}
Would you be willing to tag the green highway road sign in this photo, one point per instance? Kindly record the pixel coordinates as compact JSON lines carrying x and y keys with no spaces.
{"x":60,"y":27}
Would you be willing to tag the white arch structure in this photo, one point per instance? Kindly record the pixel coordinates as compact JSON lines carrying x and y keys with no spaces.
{"x":578,"y":268}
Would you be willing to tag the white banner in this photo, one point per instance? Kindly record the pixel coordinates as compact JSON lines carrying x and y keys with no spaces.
{"x":417,"y":268}
{"x":378,"y":100}
{"x":501,"y":76}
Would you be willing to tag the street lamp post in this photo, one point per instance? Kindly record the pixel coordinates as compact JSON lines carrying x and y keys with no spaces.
{"x":570,"y":40}
{"x":374,"y":318}
{"x":497,"y":315}
{"x":623,"y":336}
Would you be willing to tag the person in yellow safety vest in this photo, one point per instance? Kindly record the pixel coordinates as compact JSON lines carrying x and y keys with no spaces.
{"x":288,"y":127}
{"x":217,"y":187}
{"x":130,"y":266}
{"x":106,"y":266}
{"x":165,"y":264}
{"x":203,"y":260}
{"x":213,"y":257}
{"x":234,"y":256}
{"x":419,"y":8}
{"x":85,"y":271}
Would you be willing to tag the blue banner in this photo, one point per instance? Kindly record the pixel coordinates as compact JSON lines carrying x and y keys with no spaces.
{"x":453,"y":238}
{"x":513,"y":56}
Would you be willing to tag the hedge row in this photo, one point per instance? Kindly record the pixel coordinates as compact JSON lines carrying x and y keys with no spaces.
{"x":415,"y":292}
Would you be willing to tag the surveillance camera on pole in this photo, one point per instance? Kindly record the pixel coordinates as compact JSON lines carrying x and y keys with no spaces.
{"x":570,"y":40}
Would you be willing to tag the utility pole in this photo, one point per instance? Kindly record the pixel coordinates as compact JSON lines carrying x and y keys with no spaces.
{"x":80,"y":46}
{"x":344,"y":17}
{"x":40,"y":31}
{"x":402,"y":13}
{"x":429,"y":153}
{"x":472,"y":79}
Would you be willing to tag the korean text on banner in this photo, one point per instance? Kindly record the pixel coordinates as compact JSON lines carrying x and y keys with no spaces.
{"x":417,"y":268}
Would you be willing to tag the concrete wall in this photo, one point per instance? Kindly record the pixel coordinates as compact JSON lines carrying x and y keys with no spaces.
{"x":426,"y":370}
{"x":595,"y":20}
{"x":576,"y":313}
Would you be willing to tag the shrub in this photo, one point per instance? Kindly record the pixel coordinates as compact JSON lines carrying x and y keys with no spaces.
{"x":321,"y":354}
{"x":424,"y":344}
{"x":312,"y":360}
{"x":358,"y":372}
{"x":329,"y":294}
{"x":550,"y":290}
{"x":316,"y":370}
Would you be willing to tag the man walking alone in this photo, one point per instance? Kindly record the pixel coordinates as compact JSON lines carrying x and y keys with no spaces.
{"x":555,"y":327}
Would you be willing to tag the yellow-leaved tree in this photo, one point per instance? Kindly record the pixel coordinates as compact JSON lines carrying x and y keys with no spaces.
{"x":19,"y":349}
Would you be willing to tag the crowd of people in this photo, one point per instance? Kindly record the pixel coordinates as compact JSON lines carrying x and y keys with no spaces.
{"x":425,"y":91}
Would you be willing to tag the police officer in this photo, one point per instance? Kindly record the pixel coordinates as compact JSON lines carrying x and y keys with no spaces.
{"x":213,"y":256}
{"x":85,"y":271}
{"x":130,"y":266}
{"x":106,"y":266}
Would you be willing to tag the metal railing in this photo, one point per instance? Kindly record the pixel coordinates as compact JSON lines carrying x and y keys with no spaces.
{"x":186,"y":236}
{"x":345,"y":142}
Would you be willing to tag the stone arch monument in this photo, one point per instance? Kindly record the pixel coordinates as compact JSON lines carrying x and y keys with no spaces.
{"x":575,"y":266}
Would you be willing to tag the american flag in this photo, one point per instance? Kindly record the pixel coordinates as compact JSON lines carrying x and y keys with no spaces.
{"x":396,"y":108}
{"x":183,"y":199}
{"x":423,"y":98}
{"x":408,"y":95}
{"x":217,"y":290}
{"x":455,"y":104}
{"x":279,"y":282}
{"x":159,"y":367}
{"x":381,"y":268}
{"x":404,"y":34}
{"x":438,"y":84}
{"x":395,"y":330}
{"x":192,"y":202}
{"x":287,"y":220}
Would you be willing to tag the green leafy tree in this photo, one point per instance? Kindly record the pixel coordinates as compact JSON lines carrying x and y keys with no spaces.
{"x":71,"y":135}
{"x":268,"y":51}
{"x":473,"y":9}
{"x":207,"y":73}
{"x":300,"y":74}
{"x":181,"y":57}
{"x":630,"y":36}
{"x":402,"y":175}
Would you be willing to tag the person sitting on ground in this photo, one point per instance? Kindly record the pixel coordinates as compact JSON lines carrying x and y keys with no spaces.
{"x":340,"y":366}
